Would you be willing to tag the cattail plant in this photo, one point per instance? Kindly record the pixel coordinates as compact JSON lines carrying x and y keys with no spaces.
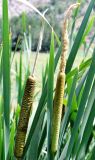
{"x":27,"y":105}
{"x":60,"y":85}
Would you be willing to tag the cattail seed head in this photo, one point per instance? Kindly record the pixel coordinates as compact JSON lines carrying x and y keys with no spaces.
{"x":20,"y":142}
{"x":27,"y":103}
{"x":57,"y":111}
{"x":24,"y":117}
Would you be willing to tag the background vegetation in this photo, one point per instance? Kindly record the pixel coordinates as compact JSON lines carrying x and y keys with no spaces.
{"x":77,"y":132}
{"x":54,"y":15}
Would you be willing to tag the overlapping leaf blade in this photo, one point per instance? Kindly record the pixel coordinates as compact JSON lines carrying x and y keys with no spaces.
{"x":6,"y":73}
{"x":50,"y":96}
{"x":78,"y":38}
{"x":82,"y":106}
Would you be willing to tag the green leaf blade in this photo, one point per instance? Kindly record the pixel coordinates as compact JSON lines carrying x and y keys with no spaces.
{"x":78,"y":39}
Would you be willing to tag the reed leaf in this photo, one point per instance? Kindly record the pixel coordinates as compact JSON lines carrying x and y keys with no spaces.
{"x":82,"y":106}
{"x":50,"y":96}
{"x":6,"y":74}
{"x":78,"y":38}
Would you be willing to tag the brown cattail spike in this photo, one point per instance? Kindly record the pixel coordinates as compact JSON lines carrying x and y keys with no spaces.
{"x":24,"y":117}
{"x":58,"y":101}
{"x":60,"y":85}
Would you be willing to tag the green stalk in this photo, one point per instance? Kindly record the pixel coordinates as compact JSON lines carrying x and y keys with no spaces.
{"x":6,"y":74}
{"x":50,"y":85}
{"x":20,"y":80}
{"x":24,"y":22}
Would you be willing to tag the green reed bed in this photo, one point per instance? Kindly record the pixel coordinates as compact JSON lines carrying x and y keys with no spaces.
{"x":60,"y":125}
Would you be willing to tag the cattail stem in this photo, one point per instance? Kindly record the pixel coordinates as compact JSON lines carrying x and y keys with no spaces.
{"x":24,"y":117}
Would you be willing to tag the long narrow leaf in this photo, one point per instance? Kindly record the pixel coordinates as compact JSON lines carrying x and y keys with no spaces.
{"x":87,"y":133}
{"x":6,"y":73}
{"x":93,"y":154}
{"x":42,"y":140}
{"x":50,"y":96}
{"x":88,"y":29}
{"x":33,"y":149}
{"x":85,"y":119}
{"x":78,"y":39}
{"x":82,"y":106}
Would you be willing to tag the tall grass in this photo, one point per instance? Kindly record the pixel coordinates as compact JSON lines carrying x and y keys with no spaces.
{"x":77,"y":132}
{"x":6,"y":75}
